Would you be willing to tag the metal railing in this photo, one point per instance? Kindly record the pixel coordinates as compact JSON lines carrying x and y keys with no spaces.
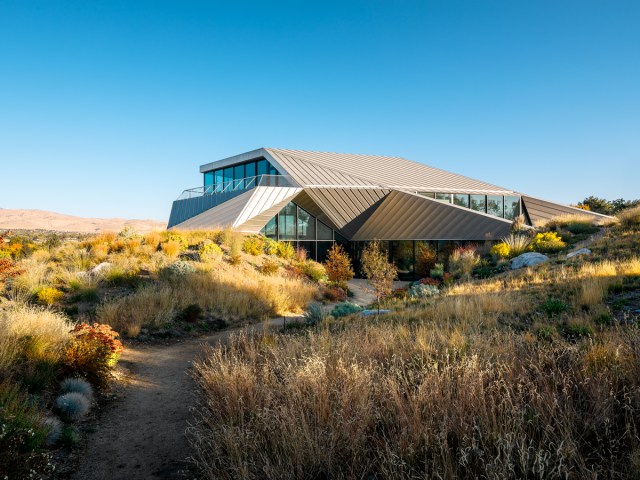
{"x":240,"y":184}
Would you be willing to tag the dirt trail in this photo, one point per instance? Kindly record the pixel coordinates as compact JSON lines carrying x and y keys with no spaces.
{"x":142,"y":435}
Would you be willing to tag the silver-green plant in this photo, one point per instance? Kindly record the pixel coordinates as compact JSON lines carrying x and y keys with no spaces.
{"x":72,"y":406}
{"x":315,"y":315}
{"x":422,"y":291}
{"x":53,"y":426}
{"x":78,"y":385}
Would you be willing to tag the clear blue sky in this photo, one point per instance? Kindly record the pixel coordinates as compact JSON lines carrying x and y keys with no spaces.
{"x":107,"y":108}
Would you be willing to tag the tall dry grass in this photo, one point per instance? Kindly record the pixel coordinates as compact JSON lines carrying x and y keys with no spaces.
{"x":234,"y":294}
{"x":385,"y":401}
{"x":46,"y":332}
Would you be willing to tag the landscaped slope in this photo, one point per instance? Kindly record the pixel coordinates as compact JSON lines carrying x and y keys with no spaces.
{"x":533,"y":373}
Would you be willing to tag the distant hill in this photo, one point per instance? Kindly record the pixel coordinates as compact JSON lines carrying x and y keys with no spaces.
{"x":43,"y":220}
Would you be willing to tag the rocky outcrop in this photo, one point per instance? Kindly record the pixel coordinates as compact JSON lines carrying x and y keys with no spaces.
{"x":528,"y":259}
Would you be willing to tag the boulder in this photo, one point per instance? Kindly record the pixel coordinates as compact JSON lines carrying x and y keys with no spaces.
{"x":100,"y":269}
{"x":528,"y":259}
{"x":582,"y":251}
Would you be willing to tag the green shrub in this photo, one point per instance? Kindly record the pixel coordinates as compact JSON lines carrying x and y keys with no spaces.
{"x":285,"y":250}
{"x":462,"y":261}
{"x":421,"y":291}
{"x":22,"y":434}
{"x":314,"y":315}
{"x":209,"y":250}
{"x":177,"y":270}
{"x":546,"y":332}
{"x":253,"y":245}
{"x":547,"y":242}
{"x":270,"y":246}
{"x":553,"y":306}
{"x":578,"y":227}
{"x":344,"y":309}
{"x":314,"y":271}
{"x":437,"y":271}
{"x":577,"y":330}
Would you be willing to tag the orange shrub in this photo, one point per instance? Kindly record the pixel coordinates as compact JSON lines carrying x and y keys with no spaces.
{"x":93,"y":351}
{"x":171,"y":248}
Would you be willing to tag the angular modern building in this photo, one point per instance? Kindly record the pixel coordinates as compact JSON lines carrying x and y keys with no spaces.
{"x":315,"y":199}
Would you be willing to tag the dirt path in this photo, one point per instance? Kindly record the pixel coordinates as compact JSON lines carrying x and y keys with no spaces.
{"x":142,"y":435}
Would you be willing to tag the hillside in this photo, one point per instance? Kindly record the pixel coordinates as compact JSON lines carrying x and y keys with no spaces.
{"x":44,"y":220}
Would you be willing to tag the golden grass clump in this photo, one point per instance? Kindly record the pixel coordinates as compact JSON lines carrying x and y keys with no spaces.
{"x":630,"y":217}
{"x":46,"y":332}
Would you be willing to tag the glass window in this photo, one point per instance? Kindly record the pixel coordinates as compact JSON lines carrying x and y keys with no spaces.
{"x":238,"y":174}
{"x":272,"y":170}
{"x":324,"y":232}
{"x":227,"y":175}
{"x":310,"y":248}
{"x":271,"y":228}
{"x":323,"y":249}
{"x":478,"y":203}
{"x":495,"y":205}
{"x":208,"y":182}
{"x":428,"y":194}
{"x":511,"y":207}
{"x":443,"y":197}
{"x":461,"y":200}
{"x":218,"y":179}
{"x":402,"y":256}
{"x":306,"y":225}
{"x":287,"y":222}
{"x":250,"y":169}
{"x":263,"y":167}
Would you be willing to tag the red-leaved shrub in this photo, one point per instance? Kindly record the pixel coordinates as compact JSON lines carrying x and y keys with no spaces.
{"x":93,"y":351}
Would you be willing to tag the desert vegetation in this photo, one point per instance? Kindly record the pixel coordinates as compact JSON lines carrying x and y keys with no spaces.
{"x":65,"y":301}
{"x":532,"y":373}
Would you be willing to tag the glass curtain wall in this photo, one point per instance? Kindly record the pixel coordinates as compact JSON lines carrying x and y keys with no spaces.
{"x":241,"y":175}
{"x":294,"y":224}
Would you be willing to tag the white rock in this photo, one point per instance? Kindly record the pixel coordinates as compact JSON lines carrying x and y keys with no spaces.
{"x":582,"y":251}
{"x":528,"y":259}
{"x":100,"y":268}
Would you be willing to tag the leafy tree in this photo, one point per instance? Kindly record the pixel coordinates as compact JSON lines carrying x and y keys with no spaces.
{"x":425,"y":259}
{"x":338,"y":266}
{"x":377,"y":269}
{"x":596,"y":204}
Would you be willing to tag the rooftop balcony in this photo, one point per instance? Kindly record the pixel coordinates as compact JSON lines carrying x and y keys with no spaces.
{"x":194,"y":201}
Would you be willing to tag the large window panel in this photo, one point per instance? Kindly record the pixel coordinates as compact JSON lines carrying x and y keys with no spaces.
{"x":287,"y":222}
{"x":250,"y":173}
{"x":263,"y":167}
{"x":461,"y":200}
{"x":401,"y":253}
{"x":228,"y":177}
{"x":306,"y":225}
{"x":495,"y":205}
{"x":478,"y":203}
{"x":271,"y":228}
{"x":511,"y":207}
{"x":444,"y":197}
{"x":218,"y":179}
{"x":208,"y":182}
{"x":238,"y":176}
{"x":324,"y":232}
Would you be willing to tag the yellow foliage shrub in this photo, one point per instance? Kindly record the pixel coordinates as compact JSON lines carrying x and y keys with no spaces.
{"x":49,"y":295}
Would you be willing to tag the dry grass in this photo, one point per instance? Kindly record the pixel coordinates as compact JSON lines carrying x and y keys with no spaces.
{"x":630,"y":218}
{"x":480,"y":383}
{"x":417,"y":402}
{"x":46,"y":332}
{"x":562,"y":221}
{"x":234,"y":294}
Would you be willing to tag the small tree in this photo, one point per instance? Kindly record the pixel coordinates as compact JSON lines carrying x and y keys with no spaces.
{"x":338,"y":266}
{"x":378,"y":271}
